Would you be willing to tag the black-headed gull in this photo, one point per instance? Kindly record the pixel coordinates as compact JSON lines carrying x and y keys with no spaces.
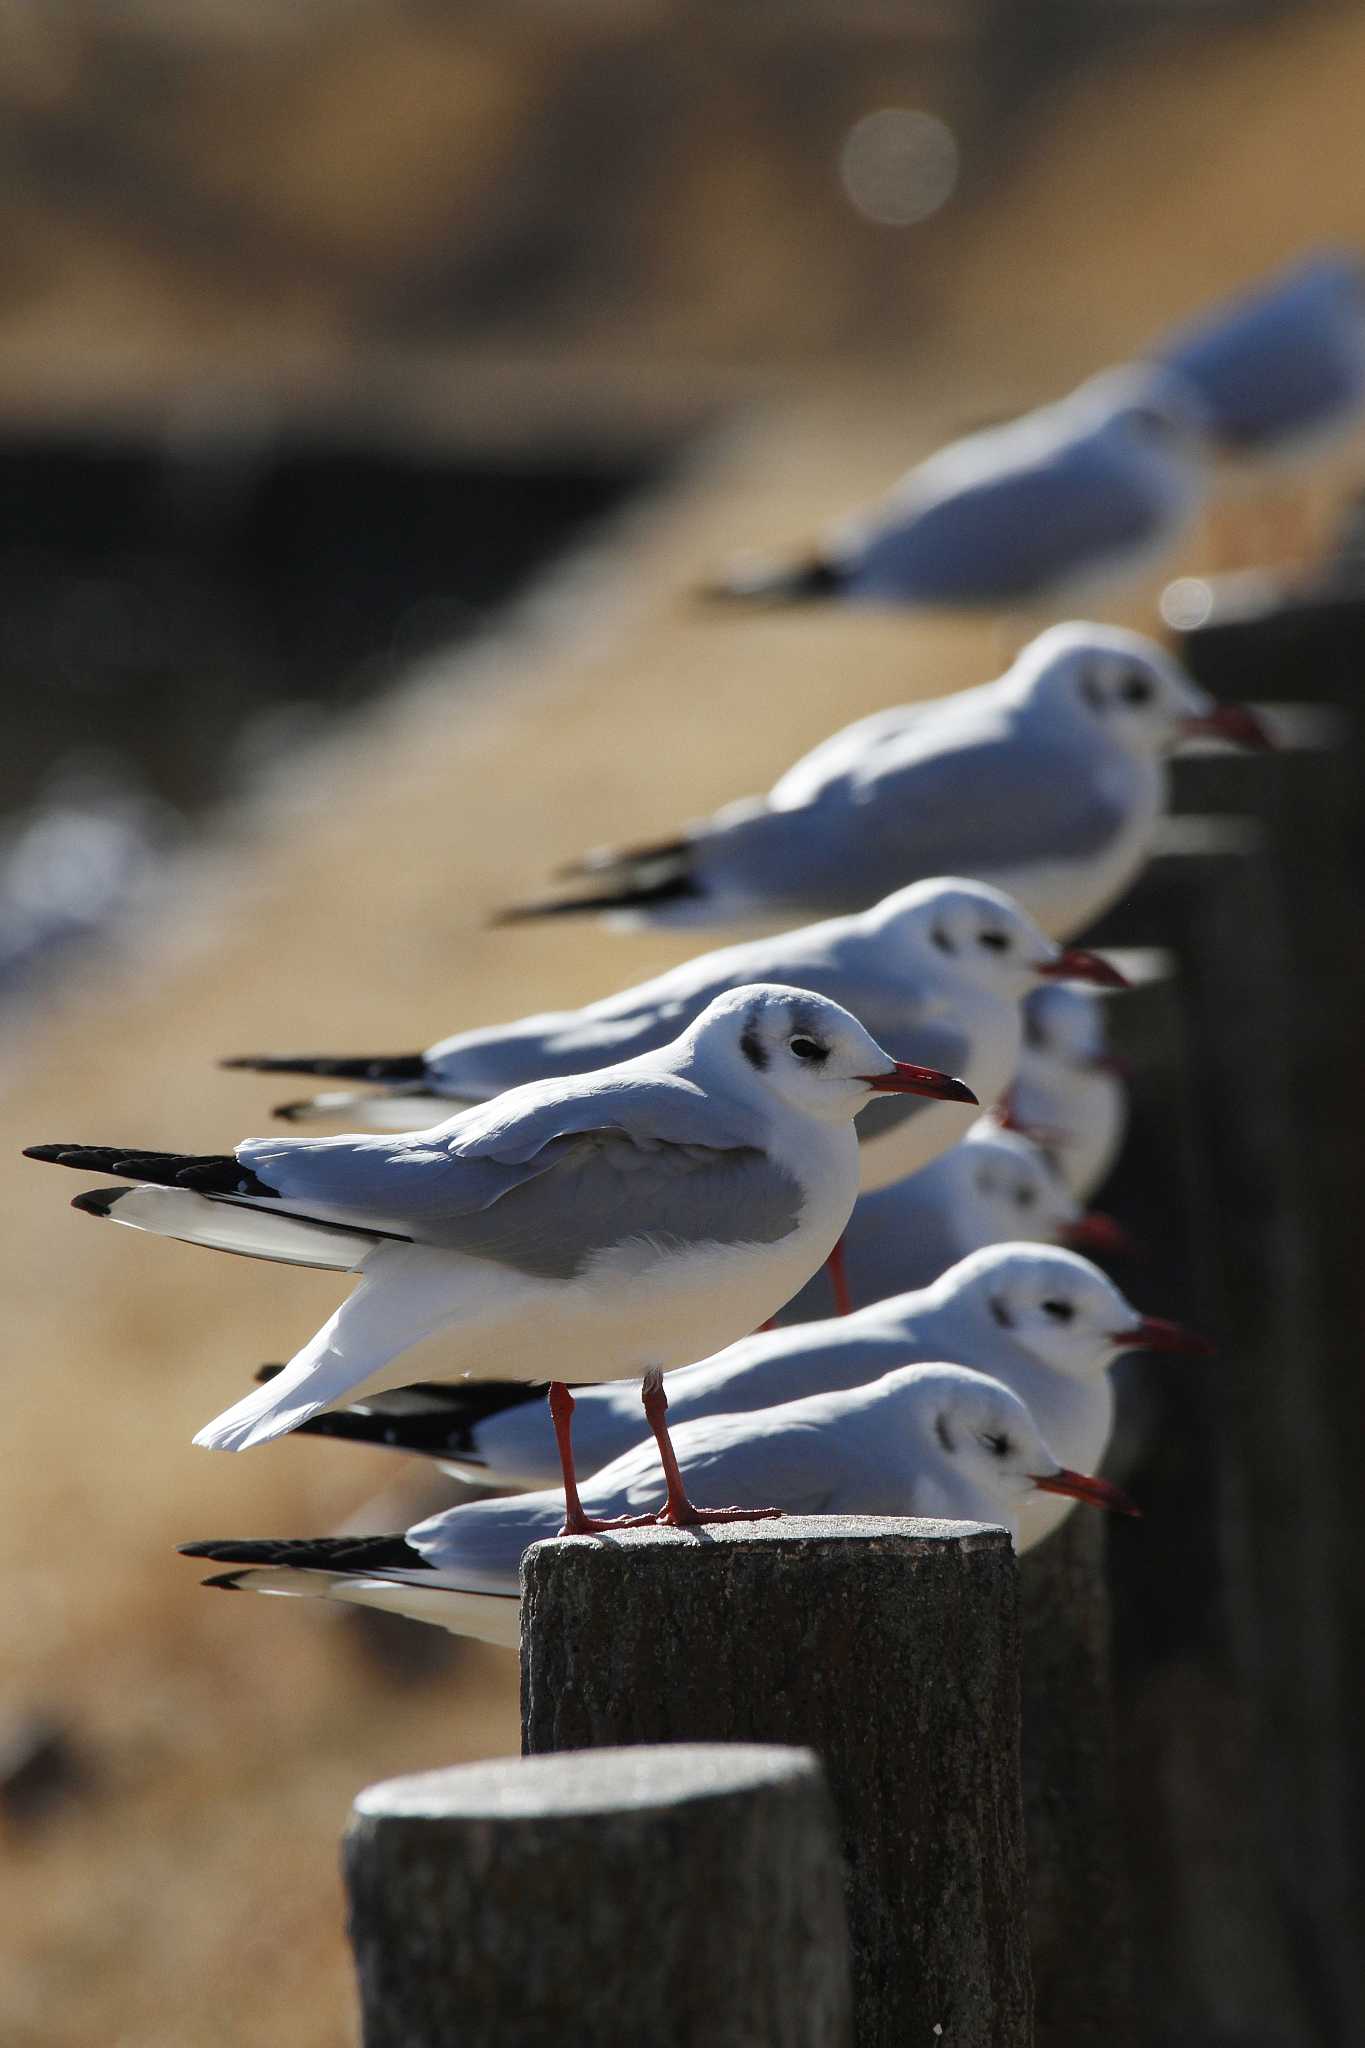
{"x":936,"y":972}
{"x":1044,"y":510}
{"x":932,"y":1440}
{"x":1069,"y":1091}
{"x":1044,"y":1321}
{"x":620,"y":1222}
{"x":1047,"y":782}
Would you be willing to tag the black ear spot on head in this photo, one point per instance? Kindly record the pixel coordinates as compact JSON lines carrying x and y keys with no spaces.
{"x":1091,"y":690}
{"x":751,"y":1045}
{"x":1001,"y":1313}
{"x":943,"y":1433}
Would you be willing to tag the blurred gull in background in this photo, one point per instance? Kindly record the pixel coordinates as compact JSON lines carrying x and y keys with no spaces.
{"x":1069,"y":1091}
{"x":1280,"y":371}
{"x":994,"y":1187}
{"x":1048,"y":510}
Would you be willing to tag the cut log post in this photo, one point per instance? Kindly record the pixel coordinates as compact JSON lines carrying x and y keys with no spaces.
{"x":1079,"y":1912}
{"x":689,"y":1895}
{"x":891,"y":1649}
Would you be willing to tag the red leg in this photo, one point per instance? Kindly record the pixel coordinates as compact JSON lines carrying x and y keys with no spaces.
{"x":678,"y":1509}
{"x":576,"y":1521}
{"x":838,"y":1280}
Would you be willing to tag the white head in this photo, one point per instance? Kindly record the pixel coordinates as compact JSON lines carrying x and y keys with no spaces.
{"x":1057,"y":1306}
{"x":977,"y":1440}
{"x":1005,"y":1188}
{"x":976,"y":935}
{"x":1115,"y":685}
{"x":962,"y":930}
{"x":1066,"y":1024}
{"x":806,"y":1051}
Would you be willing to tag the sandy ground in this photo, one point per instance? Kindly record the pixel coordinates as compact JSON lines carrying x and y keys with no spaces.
{"x":190,"y":1895}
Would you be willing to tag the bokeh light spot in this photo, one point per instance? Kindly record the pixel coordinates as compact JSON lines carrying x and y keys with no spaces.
{"x":899,"y":165}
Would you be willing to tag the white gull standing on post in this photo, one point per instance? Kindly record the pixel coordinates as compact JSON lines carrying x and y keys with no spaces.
{"x":1047,"y":782}
{"x":936,"y":972}
{"x":1044,"y":1321}
{"x":933,"y":1440}
{"x":621,"y":1222}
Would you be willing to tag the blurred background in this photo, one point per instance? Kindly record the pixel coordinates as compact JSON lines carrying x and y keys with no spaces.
{"x":375,"y":384}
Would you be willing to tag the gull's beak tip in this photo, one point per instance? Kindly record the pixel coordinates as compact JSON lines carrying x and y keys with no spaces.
{"x":1155,"y":1333}
{"x":1096,"y":1493}
{"x":1237,"y":723}
{"x":1075,"y":963}
{"x":904,"y":1078}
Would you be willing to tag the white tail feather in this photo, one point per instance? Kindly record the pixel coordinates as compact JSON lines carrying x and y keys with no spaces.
{"x":373,"y":1112}
{"x":254,"y":1232}
{"x":406,"y":1293}
{"x":488,"y":1617}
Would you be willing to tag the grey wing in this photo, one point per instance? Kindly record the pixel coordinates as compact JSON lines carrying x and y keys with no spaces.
{"x":478,"y":1546}
{"x":984,"y":808}
{"x":422,"y":1183}
{"x":842,"y":752}
{"x":603,"y":1192}
{"x":1006,"y":535}
{"x":764,"y":1460}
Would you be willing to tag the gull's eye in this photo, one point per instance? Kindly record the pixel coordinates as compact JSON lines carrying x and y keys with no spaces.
{"x":1060,"y":1311}
{"x":998,"y":1446}
{"x":1137,"y":690}
{"x":806,"y":1049}
{"x":998,"y":942}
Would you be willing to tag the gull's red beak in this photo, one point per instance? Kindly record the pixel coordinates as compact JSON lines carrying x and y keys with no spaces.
{"x":1235,"y":722}
{"x":1154,"y":1333}
{"x":1075,"y":964}
{"x":907,"y":1079}
{"x":1096,"y":1232}
{"x":1096,"y":1493}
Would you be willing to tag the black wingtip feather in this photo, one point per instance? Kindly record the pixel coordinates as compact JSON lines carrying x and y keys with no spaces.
{"x":209,"y":1173}
{"x":362,"y":1066}
{"x":98,"y":1201}
{"x":313,"y":1553}
{"x":777,"y":583}
{"x":225,"y":1582}
{"x":645,"y":896}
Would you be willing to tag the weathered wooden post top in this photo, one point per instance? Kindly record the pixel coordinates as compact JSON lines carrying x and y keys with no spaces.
{"x":888,"y":1647}
{"x":689,"y":1895}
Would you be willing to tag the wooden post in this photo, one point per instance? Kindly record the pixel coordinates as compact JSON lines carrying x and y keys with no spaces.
{"x":891,"y":1649}
{"x":1078,"y":1892}
{"x":689,"y":1895}
{"x":1244,"y":1716}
